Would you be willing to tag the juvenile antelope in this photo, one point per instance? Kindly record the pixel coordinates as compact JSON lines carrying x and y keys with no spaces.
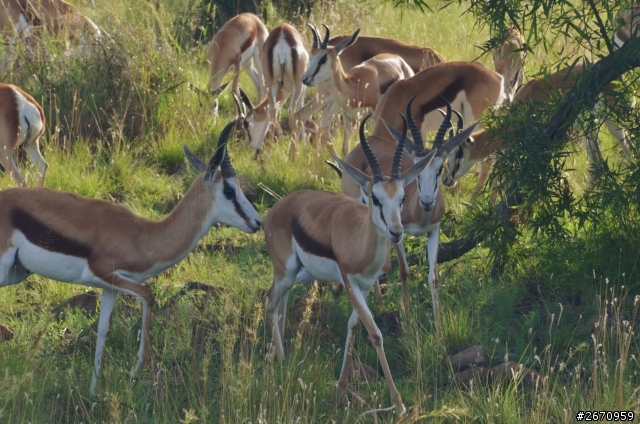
{"x":424,"y":204}
{"x":284,"y":58}
{"x":361,"y":87}
{"x":69,"y":238}
{"x":237,"y":46}
{"x":469,"y":87}
{"x":486,"y":143}
{"x":509,"y":62}
{"x":21,"y":123}
{"x":332,"y":237}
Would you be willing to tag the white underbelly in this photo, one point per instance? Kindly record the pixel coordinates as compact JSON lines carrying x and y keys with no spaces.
{"x":321,"y":268}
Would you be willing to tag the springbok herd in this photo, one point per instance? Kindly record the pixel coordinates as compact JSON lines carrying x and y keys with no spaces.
{"x":391,"y":183}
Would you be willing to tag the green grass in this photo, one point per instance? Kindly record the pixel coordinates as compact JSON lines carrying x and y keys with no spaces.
{"x":120,"y":140}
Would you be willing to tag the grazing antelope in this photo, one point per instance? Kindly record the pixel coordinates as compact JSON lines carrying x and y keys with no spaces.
{"x":424,"y":205}
{"x":329,"y":236}
{"x":69,"y":238}
{"x":21,"y":123}
{"x":486,"y":143}
{"x":237,"y":46}
{"x":284,"y":58}
{"x":361,"y":87}
{"x":629,"y":20}
{"x":469,"y":87}
{"x":16,"y":17}
{"x":509,"y":62}
{"x":363,"y":49}
{"x":59,"y":16}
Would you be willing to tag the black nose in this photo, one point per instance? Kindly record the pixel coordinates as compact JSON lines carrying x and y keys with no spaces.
{"x":394,"y":234}
{"x":258,"y":223}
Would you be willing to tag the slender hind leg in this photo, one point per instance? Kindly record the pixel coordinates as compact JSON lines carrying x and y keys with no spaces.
{"x":33,"y":150}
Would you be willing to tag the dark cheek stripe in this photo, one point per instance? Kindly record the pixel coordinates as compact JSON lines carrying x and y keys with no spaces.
{"x":236,"y":205}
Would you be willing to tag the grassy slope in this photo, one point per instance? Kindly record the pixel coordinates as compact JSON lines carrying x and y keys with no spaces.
{"x":208,"y":362}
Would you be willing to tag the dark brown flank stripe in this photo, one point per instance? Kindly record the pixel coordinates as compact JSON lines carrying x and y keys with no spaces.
{"x":449,"y":93}
{"x":308,"y":244}
{"x":288,"y":37}
{"x":385,"y":86}
{"x":249,"y":41}
{"x":236,"y":205}
{"x":38,"y":233}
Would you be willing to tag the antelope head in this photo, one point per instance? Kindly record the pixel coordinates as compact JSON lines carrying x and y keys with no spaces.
{"x":229,"y":206}
{"x":458,"y":162}
{"x":385,"y":196}
{"x":323,"y":57}
{"x":429,"y":179}
{"x":255,"y":123}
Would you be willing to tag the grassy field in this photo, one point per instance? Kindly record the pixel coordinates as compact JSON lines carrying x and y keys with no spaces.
{"x":116,"y":122}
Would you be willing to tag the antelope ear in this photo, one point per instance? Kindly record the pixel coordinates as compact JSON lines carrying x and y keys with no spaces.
{"x":411,"y":173}
{"x":360,"y":177}
{"x":409,"y":145}
{"x":194,"y":160}
{"x":346,"y":42}
{"x":456,"y":141}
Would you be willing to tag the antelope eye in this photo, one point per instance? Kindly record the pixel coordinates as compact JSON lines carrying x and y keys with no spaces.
{"x":439,"y":172}
{"x":375,"y":201}
{"x":322,"y":60}
{"x":245,"y":124}
{"x":460,"y":153}
{"x":229,"y":193}
{"x":403,"y":199}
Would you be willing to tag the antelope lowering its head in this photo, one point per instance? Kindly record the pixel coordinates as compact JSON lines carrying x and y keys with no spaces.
{"x":469,"y":87}
{"x":237,"y":46}
{"x":485,"y":142}
{"x":21,"y":123}
{"x":332,"y":237}
{"x":424,"y":205}
{"x":284,"y":58}
{"x":361,"y":87}
{"x":59,"y":16}
{"x":509,"y":62}
{"x":69,"y":238}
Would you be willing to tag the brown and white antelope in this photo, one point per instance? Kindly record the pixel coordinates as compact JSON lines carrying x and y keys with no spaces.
{"x":469,"y":87}
{"x":21,"y":123}
{"x":69,"y":238}
{"x":59,"y":16}
{"x":629,"y":20}
{"x":16,"y":17}
{"x":364,"y":48}
{"x":284,"y":59}
{"x":237,"y":46}
{"x":485,"y":143}
{"x":332,"y":237}
{"x":424,"y":205}
{"x":359,"y":88}
{"x":509,"y":61}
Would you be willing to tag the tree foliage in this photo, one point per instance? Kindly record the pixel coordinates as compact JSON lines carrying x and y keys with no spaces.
{"x":534,"y":163}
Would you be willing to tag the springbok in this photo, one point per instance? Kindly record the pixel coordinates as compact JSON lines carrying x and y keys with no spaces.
{"x":328,"y":236}
{"x":17,"y":20}
{"x":469,"y":87}
{"x":424,"y":204}
{"x":361,"y":87}
{"x":237,"y":46}
{"x":509,"y":62}
{"x":22,"y":122}
{"x":628,"y":21}
{"x":59,"y":16}
{"x":364,"y":48}
{"x":284,"y":58}
{"x":69,"y":238}
{"x":485,"y":143}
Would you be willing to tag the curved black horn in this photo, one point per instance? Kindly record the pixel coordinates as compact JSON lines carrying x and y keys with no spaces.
{"x":378,"y":176}
{"x":246,"y":100}
{"x":316,"y":38}
{"x":219,"y":156}
{"x":446,"y":123}
{"x":415,"y":131}
{"x":325,"y":42}
{"x":397,"y":156}
{"x":238,"y":105}
{"x":225,"y":166}
{"x":460,"y":121}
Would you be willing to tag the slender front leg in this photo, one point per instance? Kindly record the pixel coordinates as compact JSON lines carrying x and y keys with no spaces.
{"x":432,"y":253}
{"x":352,"y":326}
{"x":107,"y":302}
{"x":33,"y":150}
{"x":483,"y":174}
{"x":357,"y":299}
{"x":346,"y":117}
{"x":403,"y":266}
{"x":8,"y":161}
